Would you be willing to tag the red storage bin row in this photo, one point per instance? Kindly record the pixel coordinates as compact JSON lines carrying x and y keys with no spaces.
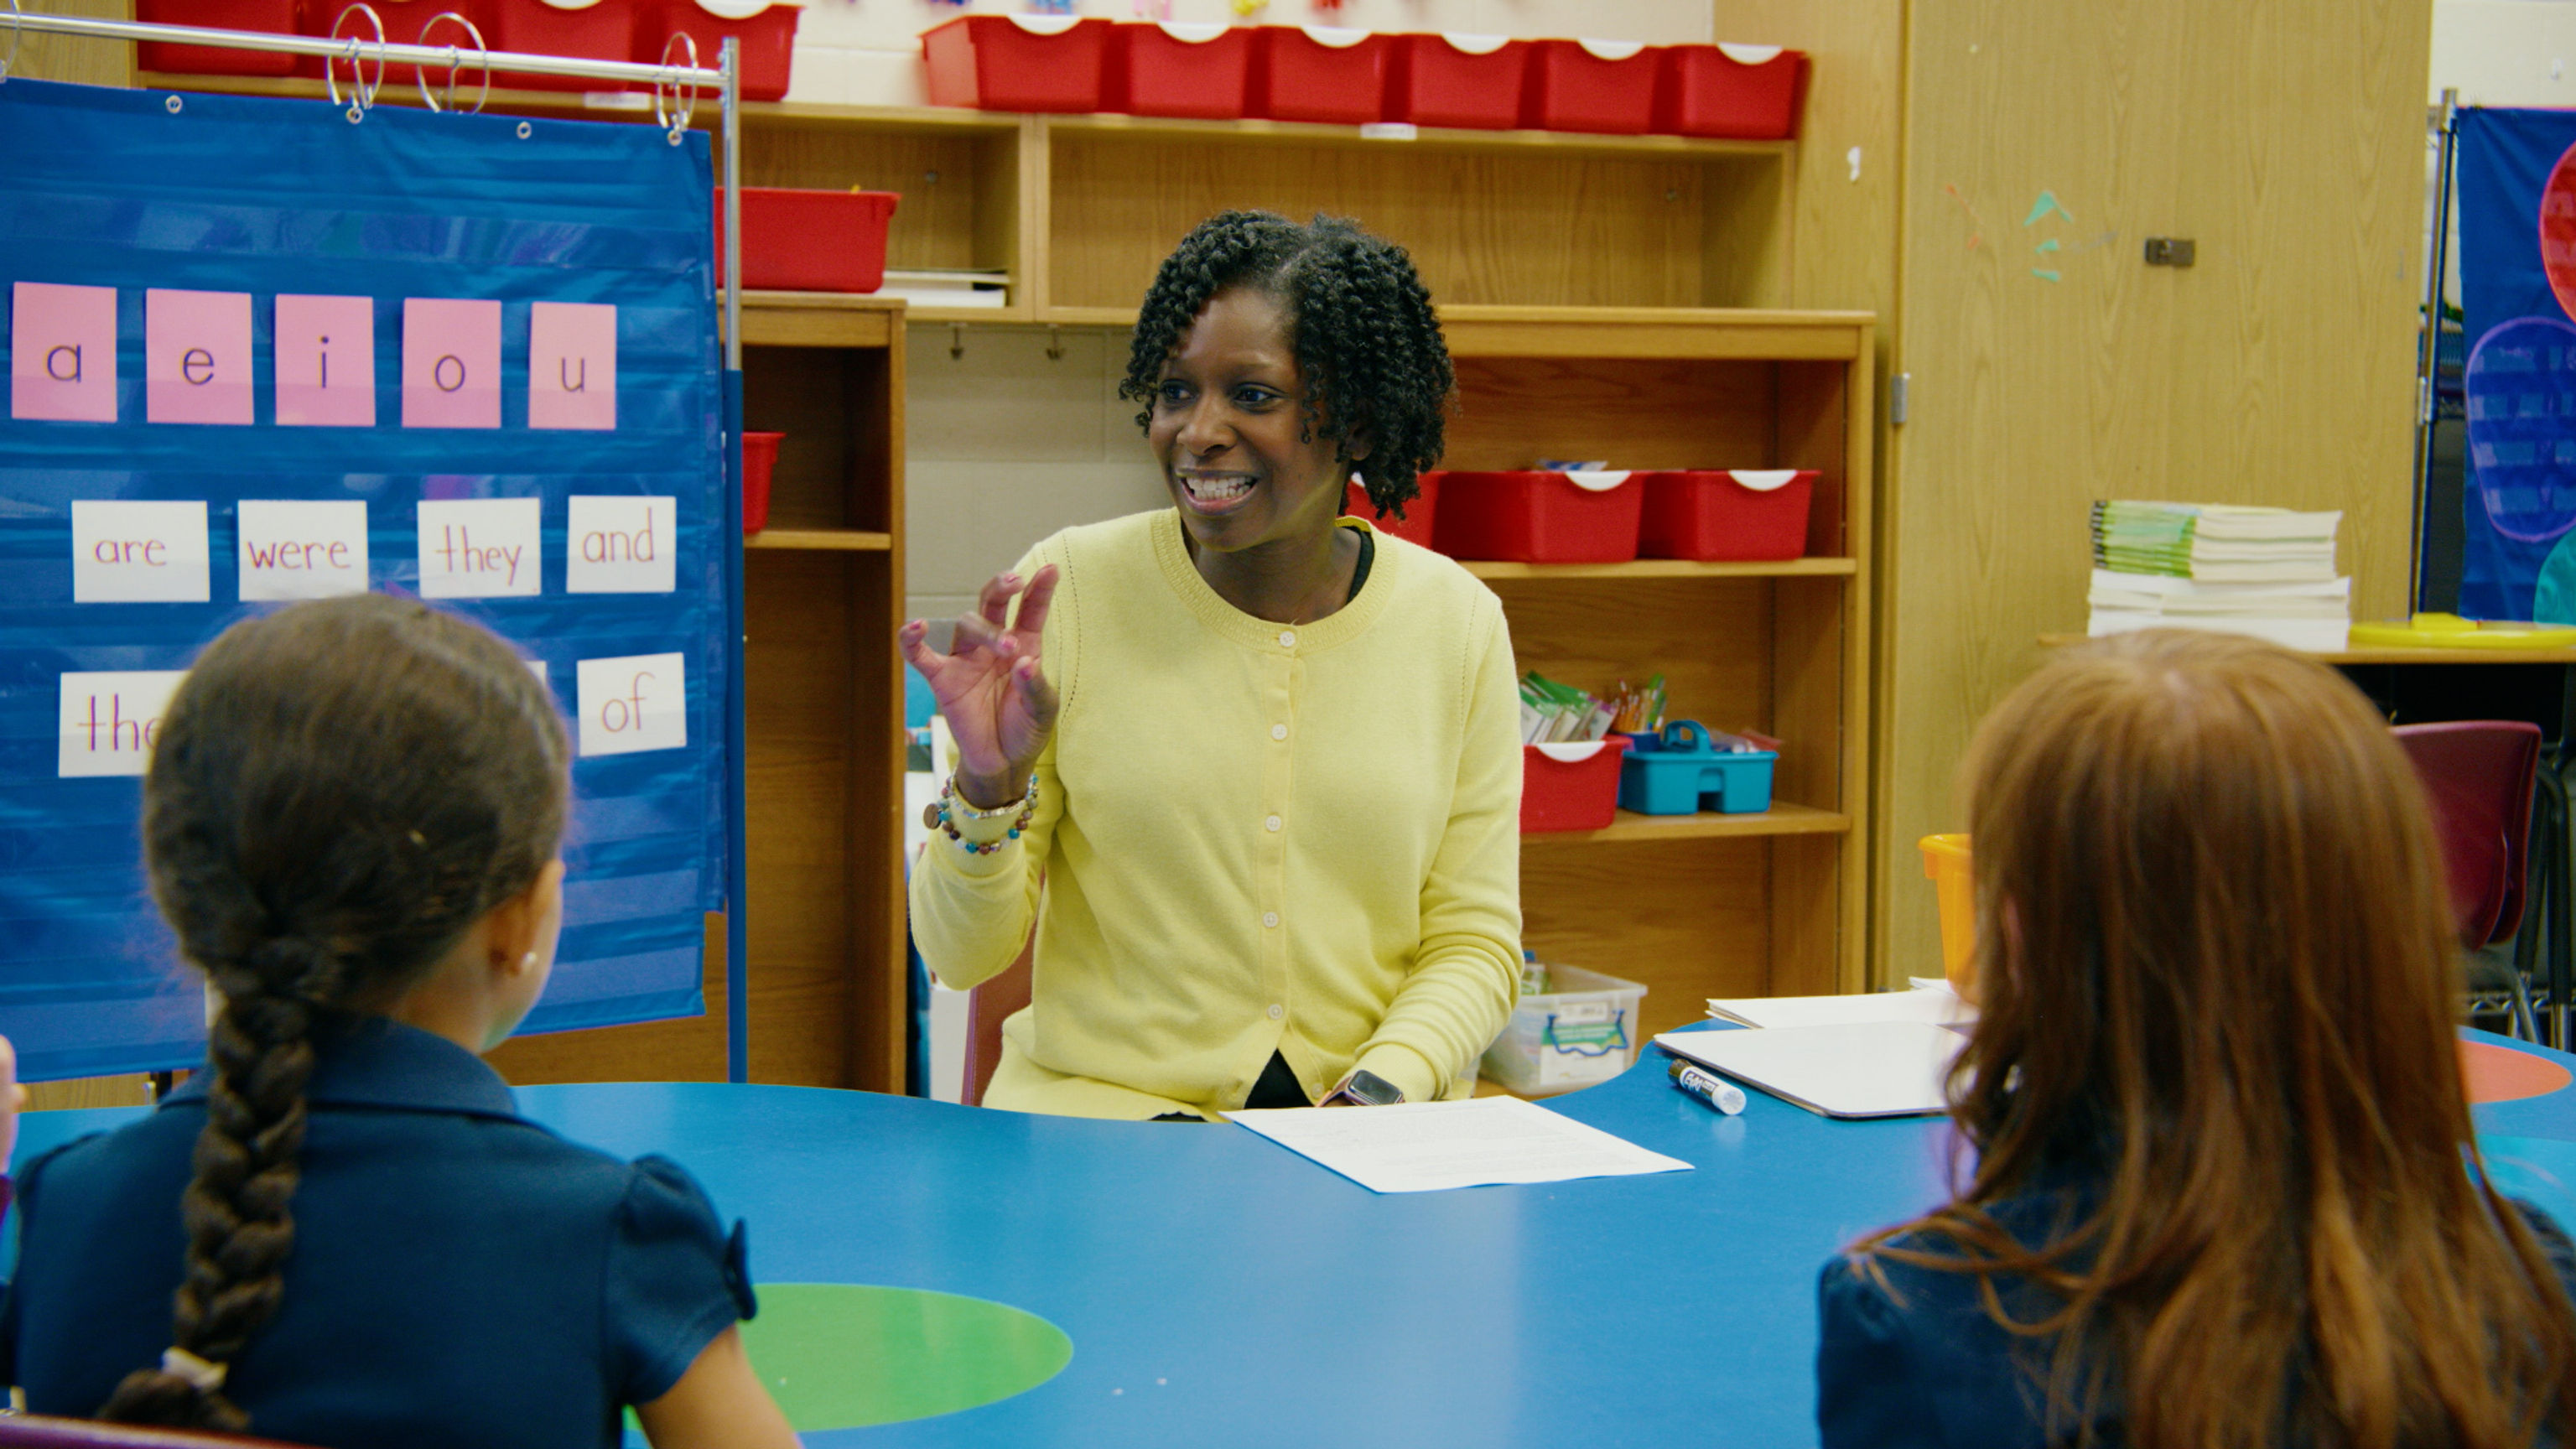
{"x":1537,"y":516}
{"x":1063,"y":63}
{"x":1571,"y":787}
{"x":1421,"y":514}
{"x":623,"y":30}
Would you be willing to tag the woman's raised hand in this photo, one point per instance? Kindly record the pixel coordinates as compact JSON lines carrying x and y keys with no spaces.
{"x":992,"y":687}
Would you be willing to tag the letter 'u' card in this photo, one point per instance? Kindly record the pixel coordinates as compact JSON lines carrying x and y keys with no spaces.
{"x":572,"y":365}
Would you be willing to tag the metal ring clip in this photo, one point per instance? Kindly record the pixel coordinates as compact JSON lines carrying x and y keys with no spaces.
{"x":446,"y":99}
{"x":362,"y":91}
{"x":673,"y":100}
{"x":11,"y":58}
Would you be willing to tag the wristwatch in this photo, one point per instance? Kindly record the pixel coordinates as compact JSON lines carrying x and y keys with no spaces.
{"x":1363,"y":1089}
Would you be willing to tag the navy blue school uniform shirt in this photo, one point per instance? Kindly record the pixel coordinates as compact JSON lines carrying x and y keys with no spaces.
{"x":1923,"y":1366}
{"x":460,"y":1275}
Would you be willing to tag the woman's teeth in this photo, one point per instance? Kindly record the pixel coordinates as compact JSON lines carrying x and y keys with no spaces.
{"x":1217,"y":490}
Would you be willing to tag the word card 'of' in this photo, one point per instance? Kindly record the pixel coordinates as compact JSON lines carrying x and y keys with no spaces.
{"x":640,"y":702}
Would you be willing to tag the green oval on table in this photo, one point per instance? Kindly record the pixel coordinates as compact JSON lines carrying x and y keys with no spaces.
{"x":846,"y":1355}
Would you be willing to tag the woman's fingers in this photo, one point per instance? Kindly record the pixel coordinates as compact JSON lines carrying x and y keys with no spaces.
{"x":1034,"y":603}
{"x":1037,"y":694}
{"x":993,"y":602}
{"x":914,"y":640}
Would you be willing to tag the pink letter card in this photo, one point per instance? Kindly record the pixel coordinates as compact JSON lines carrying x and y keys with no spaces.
{"x":326,"y":362}
{"x":62,"y":352}
{"x":451,"y":369}
{"x":196,"y":356}
{"x":572,"y":365}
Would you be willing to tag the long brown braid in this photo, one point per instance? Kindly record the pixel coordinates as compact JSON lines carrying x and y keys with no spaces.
{"x":339,"y":790}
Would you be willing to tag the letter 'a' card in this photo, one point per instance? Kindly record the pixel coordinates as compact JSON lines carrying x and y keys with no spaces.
{"x":62,"y":353}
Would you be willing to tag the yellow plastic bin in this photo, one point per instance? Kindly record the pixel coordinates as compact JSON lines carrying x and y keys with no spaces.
{"x":1946,"y":861}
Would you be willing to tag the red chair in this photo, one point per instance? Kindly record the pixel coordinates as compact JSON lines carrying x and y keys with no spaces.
{"x":43,"y":1431}
{"x":2479,"y":775}
{"x":986,"y":1007}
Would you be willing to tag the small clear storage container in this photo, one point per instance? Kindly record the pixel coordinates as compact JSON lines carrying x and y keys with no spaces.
{"x":1583,"y":1030}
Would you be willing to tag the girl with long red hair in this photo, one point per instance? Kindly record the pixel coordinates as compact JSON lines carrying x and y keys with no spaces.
{"x":2218,"y":1184}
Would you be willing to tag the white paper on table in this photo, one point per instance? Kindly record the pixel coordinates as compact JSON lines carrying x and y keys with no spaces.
{"x":1855,"y":1069}
{"x":1428,"y":1146}
{"x":1937,"y":1005}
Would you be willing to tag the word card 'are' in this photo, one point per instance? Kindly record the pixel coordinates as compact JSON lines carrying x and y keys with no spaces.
{"x":139,"y":553}
{"x":451,"y":368}
{"x":640,"y":702}
{"x":572,"y":365}
{"x":325,"y":361}
{"x":621,"y":545}
{"x":110,"y":721}
{"x":62,"y":352}
{"x":297,"y":550}
{"x":196,"y":357}
{"x":479,"y":548}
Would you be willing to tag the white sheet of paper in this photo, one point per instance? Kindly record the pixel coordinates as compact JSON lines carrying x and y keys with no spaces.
{"x":1857,"y":1069}
{"x":1428,"y":1146}
{"x":479,"y":548}
{"x":297,"y":550}
{"x":621,"y":545}
{"x":128,"y":552}
{"x":111,"y":720}
{"x":1938,"y":1006}
{"x":639,"y":702}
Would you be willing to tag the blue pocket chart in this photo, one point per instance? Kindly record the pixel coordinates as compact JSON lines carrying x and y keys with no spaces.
{"x":258,"y":353}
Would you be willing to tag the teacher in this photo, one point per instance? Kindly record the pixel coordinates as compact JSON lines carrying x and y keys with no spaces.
{"x":1251,"y":767}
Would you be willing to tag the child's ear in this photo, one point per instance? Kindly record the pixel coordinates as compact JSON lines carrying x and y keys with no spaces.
{"x":521,"y":929}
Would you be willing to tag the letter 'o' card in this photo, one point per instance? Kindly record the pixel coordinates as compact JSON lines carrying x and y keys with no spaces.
{"x":62,"y":352}
{"x":451,"y":369}
{"x":572,"y":365}
{"x":640,"y":702}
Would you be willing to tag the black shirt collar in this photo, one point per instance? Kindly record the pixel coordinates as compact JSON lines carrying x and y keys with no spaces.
{"x":375,"y":1061}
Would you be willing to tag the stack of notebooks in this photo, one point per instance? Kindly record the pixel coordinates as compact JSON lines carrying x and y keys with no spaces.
{"x":2268,"y":572}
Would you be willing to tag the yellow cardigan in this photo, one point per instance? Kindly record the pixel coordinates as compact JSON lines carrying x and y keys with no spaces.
{"x":1253,"y":836}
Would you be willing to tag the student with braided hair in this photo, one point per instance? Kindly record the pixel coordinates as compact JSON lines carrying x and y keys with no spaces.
{"x":341,"y":1232}
{"x":1252,"y":768}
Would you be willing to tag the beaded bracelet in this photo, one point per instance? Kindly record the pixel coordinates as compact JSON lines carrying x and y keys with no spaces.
{"x":939,"y":816}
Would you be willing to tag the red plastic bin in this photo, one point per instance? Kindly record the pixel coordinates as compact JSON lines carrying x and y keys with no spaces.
{"x":759,"y":460}
{"x":582,"y":29}
{"x":1420,"y":514}
{"x":276,"y":17}
{"x":1017,"y":62}
{"x":766,"y":31}
{"x":810,"y":241}
{"x":1747,"y":92}
{"x":1571,"y":787}
{"x":1318,"y":73}
{"x":1540,"y":517}
{"x":1602,"y":86}
{"x":1714,"y":513}
{"x":1161,"y":68}
{"x":1468,"y":81}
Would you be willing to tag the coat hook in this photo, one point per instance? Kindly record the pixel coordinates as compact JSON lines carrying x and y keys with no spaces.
{"x":1055,"y":344}
{"x":956,"y":341}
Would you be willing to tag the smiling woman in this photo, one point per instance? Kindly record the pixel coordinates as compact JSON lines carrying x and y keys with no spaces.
{"x":1251,"y":768}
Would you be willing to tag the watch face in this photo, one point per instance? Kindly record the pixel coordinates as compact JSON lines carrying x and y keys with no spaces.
{"x":1372,"y":1089}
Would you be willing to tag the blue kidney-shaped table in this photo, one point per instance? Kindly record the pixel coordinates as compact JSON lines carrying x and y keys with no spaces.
{"x":1219,"y":1290}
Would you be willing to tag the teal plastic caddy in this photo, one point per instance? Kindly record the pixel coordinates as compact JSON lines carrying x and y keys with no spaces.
{"x":1680,"y":772}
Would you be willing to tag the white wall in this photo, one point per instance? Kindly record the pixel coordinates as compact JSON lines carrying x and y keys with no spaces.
{"x":2496,"y":53}
{"x":867,"y":52}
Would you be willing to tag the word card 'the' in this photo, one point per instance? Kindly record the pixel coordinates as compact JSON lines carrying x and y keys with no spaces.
{"x":110,"y":721}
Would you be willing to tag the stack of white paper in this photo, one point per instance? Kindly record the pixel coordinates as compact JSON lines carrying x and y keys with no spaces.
{"x":2267,"y":572}
{"x":1936,"y":1005}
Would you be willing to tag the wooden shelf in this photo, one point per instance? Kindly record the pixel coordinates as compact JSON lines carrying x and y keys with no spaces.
{"x":1781,"y":819}
{"x":2558,"y":655}
{"x":1424,"y":138}
{"x":1665,"y":568}
{"x":843,"y":540}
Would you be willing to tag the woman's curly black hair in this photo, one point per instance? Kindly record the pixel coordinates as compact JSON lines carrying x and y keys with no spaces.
{"x":1360,"y":325}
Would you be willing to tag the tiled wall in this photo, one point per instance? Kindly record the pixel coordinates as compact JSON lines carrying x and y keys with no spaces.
{"x":866,"y":52}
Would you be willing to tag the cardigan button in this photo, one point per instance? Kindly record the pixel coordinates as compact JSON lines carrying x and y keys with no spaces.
{"x":1277,"y":1011}
{"x":1272,"y":823}
{"x":1270,"y":918}
{"x":1287,"y":638}
{"x":1279,"y":732}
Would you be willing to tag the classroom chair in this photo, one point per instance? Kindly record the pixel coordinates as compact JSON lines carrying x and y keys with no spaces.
{"x":986,"y":1006}
{"x":2479,"y":776}
{"x":44,"y":1431}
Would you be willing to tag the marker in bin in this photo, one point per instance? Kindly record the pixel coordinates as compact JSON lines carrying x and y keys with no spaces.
{"x":1719,"y":1093}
